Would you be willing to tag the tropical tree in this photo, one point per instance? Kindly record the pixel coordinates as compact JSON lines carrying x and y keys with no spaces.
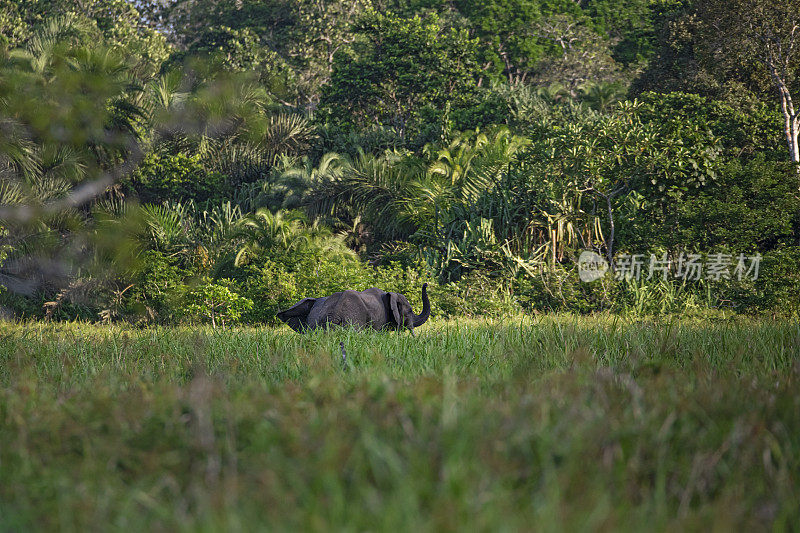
{"x":382,"y":190}
{"x":582,"y":56}
{"x":382,"y":82}
{"x":764,"y":35}
{"x":292,"y":43}
{"x":441,"y":203}
{"x":115,"y":23}
{"x":508,"y":45}
{"x":585,"y":170}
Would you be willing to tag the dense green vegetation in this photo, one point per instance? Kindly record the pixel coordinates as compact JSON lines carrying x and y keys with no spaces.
{"x":182,"y":170}
{"x":163,"y":159}
{"x":586,"y":423}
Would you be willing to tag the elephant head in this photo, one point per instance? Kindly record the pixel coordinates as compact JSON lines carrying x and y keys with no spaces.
{"x":370,"y":308}
{"x":402,"y":313}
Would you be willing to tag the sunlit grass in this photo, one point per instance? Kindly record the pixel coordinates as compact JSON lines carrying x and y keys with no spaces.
{"x":547,"y":423}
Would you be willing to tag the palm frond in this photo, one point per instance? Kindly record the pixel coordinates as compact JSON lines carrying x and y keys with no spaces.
{"x":169,"y":226}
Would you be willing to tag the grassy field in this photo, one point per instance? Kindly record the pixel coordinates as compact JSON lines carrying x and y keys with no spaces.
{"x":522,"y":424}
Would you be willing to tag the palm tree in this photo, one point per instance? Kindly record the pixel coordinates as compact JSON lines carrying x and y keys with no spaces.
{"x":383,"y":190}
{"x":170,"y":228}
{"x":284,"y":231}
{"x":472,"y":162}
{"x":289,"y":181}
{"x":453,"y":200}
{"x":601,"y":96}
{"x":165,"y":93}
{"x":68,"y":118}
{"x":49,"y":43}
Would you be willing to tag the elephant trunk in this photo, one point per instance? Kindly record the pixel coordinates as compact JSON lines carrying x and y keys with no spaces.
{"x":426,"y":308}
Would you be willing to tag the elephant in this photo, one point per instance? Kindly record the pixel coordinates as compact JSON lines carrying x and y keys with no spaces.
{"x":372,"y":308}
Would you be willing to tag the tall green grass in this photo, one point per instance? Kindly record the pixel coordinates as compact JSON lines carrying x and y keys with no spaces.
{"x":545,"y":423}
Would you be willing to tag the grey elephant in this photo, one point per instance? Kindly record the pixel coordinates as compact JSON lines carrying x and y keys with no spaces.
{"x":372,"y":308}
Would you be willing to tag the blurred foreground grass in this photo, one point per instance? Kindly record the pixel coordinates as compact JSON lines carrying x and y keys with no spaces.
{"x":546,"y":424}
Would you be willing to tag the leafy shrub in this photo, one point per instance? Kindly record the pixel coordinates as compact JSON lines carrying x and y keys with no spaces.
{"x":777,"y":288}
{"x":178,"y":177}
{"x":321,"y":277}
{"x":744,"y":131}
{"x":749,"y":206}
{"x":215,"y":302}
{"x":561,"y":289}
{"x":271,"y":287}
{"x":157,"y":288}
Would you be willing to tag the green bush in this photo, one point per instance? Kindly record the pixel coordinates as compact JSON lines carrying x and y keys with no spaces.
{"x":158,"y":286}
{"x":561,"y":289}
{"x":777,"y":288}
{"x":750,"y":206}
{"x":177,"y":177}
{"x":216,"y":303}
{"x":271,"y":287}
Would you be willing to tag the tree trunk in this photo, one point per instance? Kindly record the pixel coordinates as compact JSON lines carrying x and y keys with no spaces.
{"x":790,"y":124}
{"x":791,"y":119}
{"x":612,"y":228}
{"x":794,"y":149}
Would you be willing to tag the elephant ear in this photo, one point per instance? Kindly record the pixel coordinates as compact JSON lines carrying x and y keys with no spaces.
{"x":394,"y":305}
{"x":297,"y":315}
